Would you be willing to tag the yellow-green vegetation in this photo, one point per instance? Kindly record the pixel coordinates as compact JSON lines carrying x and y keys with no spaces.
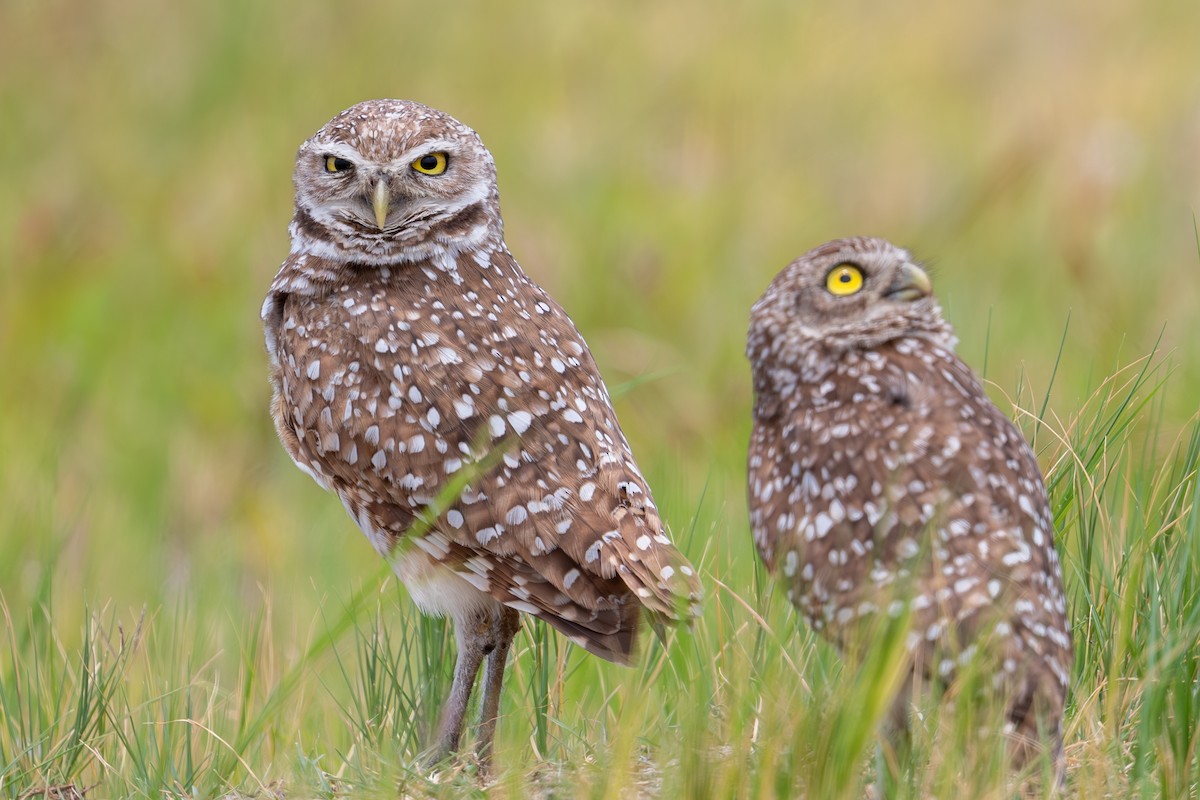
{"x":183,"y":613}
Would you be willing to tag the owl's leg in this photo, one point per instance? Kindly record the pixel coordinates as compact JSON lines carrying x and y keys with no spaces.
{"x":471,"y":630}
{"x":504,"y":628}
{"x":1035,"y":749}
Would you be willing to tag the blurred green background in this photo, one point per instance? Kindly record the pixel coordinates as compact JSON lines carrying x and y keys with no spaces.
{"x":658,"y":164}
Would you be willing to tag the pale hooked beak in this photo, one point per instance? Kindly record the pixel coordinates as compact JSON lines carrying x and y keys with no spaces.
{"x":380,"y":201}
{"x":912,"y":283}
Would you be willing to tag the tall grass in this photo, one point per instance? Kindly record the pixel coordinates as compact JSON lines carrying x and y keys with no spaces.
{"x":183,"y":614}
{"x":746,"y":704}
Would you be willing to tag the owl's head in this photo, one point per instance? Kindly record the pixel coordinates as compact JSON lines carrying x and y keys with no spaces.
{"x":848,"y":294}
{"x":389,"y":181}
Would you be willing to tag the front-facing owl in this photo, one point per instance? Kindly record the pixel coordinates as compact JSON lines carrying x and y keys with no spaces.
{"x":882,"y":480}
{"x":453,"y":406}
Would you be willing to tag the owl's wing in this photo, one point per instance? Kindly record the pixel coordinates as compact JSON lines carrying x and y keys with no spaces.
{"x":924,"y":468}
{"x":995,"y":574}
{"x":550,"y":514}
{"x":964,"y":471}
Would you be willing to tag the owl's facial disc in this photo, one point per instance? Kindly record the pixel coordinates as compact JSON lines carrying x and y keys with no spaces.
{"x":393,"y":190}
{"x":861,"y":297}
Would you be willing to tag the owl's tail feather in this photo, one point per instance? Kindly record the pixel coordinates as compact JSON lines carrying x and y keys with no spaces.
{"x":659,"y":576}
{"x":617,"y":646}
{"x":606,"y":625}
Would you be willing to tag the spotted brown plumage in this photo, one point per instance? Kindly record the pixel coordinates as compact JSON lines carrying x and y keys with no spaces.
{"x":883,"y":480}
{"x":409,"y":351}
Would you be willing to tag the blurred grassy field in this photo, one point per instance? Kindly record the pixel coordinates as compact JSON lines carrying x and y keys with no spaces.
{"x":658,"y":164}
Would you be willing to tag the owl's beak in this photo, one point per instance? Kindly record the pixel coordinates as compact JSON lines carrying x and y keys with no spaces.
{"x":380,"y":201}
{"x":912,"y":283}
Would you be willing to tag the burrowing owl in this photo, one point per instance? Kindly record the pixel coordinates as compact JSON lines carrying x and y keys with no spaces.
{"x":881,"y":477}
{"x":452,"y":405}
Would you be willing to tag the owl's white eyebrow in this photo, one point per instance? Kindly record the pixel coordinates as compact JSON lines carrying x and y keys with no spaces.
{"x":434,"y":145}
{"x":424,"y":149}
{"x":337,"y":150}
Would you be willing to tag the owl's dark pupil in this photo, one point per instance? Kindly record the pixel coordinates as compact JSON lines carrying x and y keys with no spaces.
{"x":429,"y":162}
{"x":340,"y":165}
{"x":844,"y":277}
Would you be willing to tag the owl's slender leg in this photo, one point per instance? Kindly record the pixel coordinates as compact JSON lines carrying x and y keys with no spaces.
{"x":472,"y":632}
{"x":1031,"y":746}
{"x":504,"y":629}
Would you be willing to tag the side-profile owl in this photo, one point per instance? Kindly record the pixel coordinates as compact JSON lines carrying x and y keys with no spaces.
{"x":452,"y":405}
{"x":883,"y":481}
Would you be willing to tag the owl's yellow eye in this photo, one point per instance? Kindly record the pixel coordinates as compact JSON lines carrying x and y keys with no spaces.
{"x":335,"y":164}
{"x":432,"y":164}
{"x":844,"y":279}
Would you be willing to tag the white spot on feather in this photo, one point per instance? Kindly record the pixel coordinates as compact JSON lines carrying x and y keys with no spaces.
{"x":496,"y":425}
{"x":520,"y":421}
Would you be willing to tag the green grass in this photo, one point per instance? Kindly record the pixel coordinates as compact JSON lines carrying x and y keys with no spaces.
{"x":182,"y":613}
